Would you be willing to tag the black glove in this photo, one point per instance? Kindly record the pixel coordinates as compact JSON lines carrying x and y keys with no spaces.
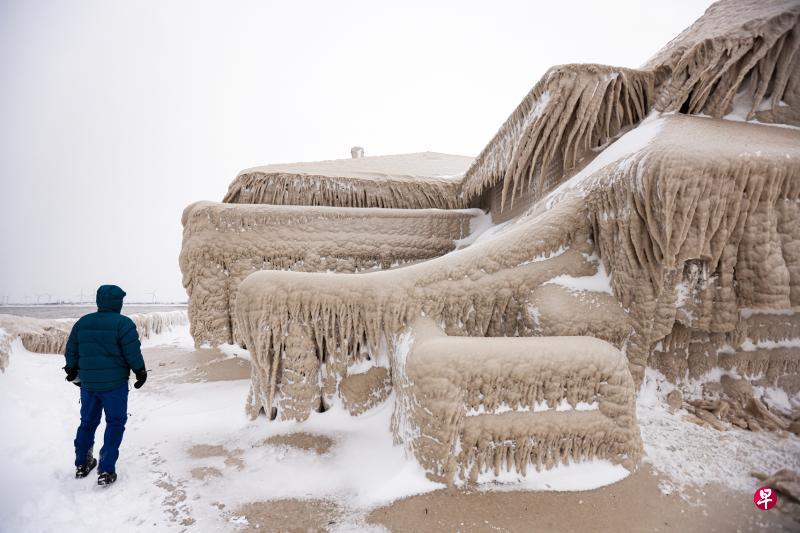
{"x":141,"y":377}
{"x":72,"y":376}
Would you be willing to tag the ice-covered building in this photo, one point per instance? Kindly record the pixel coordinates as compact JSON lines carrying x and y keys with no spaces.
{"x":619,"y":219}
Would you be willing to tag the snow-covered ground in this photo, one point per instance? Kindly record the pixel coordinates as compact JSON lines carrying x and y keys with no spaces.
{"x":164,"y":486}
{"x":691,"y":455}
{"x":156,"y":489}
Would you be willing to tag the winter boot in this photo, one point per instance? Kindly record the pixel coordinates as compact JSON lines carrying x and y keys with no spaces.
{"x":81,"y":471}
{"x":106,"y":478}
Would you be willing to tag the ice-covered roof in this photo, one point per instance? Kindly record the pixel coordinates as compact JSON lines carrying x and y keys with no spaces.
{"x":421,"y":164}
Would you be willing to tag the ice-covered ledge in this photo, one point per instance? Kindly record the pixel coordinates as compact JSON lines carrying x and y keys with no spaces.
{"x":470,"y":407}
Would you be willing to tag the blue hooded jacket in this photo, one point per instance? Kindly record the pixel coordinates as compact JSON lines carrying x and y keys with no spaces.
{"x":104,"y":346}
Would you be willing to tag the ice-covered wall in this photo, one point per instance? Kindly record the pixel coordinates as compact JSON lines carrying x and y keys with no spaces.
{"x":764,"y":346}
{"x":37,"y":335}
{"x":700,"y":225}
{"x":224,"y":243}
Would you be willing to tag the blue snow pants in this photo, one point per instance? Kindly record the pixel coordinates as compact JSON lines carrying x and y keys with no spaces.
{"x":115,"y":405}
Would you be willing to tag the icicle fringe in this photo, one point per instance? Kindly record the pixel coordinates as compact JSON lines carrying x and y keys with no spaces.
{"x":224,"y":243}
{"x":468,"y":406}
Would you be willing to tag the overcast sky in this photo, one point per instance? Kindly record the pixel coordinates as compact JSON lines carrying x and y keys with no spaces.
{"x":115,"y":115}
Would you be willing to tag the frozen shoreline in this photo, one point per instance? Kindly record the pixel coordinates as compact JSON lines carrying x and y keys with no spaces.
{"x":78,"y":310}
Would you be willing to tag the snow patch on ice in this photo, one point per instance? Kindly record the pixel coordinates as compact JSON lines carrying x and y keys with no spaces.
{"x":538,"y":407}
{"x":484,"y":230}
{"x":478,"y":225}
{"x":778,"y":399}
{"x":536,"y":112}
{"x":177,"y":337}
{"x":584,"y":475}
{"x":234,"y":350}
{"x":403,"y":347}
{"x":681,"y":294}
{"x":545,"y":256}
{"x":534,"y":314}
{"x":359,"y":367}
{"x":747,"y":312}
{"x":749,"y":346}
{"x":743,"y":104}
{"x":621,"y":149}
{"x":600,"y":281}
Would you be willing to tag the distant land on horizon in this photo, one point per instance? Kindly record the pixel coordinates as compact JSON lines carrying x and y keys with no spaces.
{"x":67,"y":303}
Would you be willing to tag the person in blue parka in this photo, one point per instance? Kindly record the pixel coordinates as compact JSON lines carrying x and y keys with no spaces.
{"x":102,"y":350}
